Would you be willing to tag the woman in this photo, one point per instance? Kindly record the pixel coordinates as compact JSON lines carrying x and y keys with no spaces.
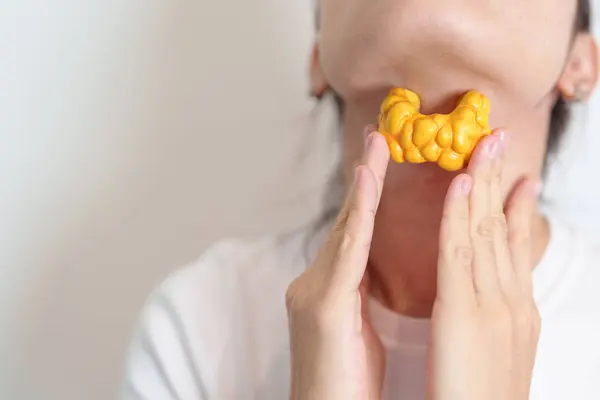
{"x":406,"y":320}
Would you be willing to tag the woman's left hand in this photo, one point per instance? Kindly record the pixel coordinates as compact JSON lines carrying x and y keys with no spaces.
{"x":485,"y":324}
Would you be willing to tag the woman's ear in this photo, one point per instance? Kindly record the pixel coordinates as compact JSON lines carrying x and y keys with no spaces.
{"x":318,"y":82}
{"x":580,"y":75}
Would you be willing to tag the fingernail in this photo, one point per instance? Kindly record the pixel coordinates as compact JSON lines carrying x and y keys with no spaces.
{"x":493,"y":148}
{"x":465,"y":186}
{"x":502,"y":135}
{"x":368,"y":135}
{"x":498,"y":145}
{"x":369,"y":141}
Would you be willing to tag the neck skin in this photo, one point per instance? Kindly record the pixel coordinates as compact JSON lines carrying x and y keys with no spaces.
{"x":403,"y":260}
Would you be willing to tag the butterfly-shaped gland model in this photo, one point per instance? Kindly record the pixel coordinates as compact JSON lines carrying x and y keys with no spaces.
{"x":446,"y":139}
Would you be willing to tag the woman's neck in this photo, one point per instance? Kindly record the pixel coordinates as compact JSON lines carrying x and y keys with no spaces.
{"x":403,"y":263}
{"x":403,"y":260}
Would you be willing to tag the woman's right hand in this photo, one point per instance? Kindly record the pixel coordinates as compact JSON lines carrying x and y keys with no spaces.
{"x":335,"y":353}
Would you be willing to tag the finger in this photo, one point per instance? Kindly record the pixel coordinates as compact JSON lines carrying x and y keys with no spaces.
{"x":351,"y":238}
{"x":377,"y":158}
{"x":520,"y":210}
{"x":354,"y":241}
{"x":455,"y":281}
{"x":366,"y":132}
{"x":488,"y":224}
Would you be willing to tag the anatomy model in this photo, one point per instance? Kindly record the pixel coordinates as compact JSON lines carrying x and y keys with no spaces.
{"x":446,"y":139}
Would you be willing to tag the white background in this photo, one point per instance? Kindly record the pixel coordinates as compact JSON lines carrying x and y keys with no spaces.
{"x":132,"y":134}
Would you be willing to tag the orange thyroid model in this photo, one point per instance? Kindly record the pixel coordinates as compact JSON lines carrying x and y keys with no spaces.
{"x":448,"y":140}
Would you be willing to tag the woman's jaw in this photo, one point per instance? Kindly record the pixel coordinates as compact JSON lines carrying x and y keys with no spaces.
{"x":502,"y":45}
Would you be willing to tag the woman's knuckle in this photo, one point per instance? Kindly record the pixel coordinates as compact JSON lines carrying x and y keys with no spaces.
{"x":527,"y":319}
{"x":463,"y":255}
{"x":488,"y":178}
{"x":350,"y":240}
{"x":372,"y":212}
{"x":458,"y":214}
{"x":304,"y":294}
{"x":462,"y":214}
{"x":341,"y":219}
{"x":340,"y":225}
{"x":492,"y":226}
{"x":347,"y":241}
{"x":366,"y":243}
{"x":294,"y":301}
{"x":532,"y":313}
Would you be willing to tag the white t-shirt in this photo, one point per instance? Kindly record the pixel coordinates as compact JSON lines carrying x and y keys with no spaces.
{"x":217,"y":330}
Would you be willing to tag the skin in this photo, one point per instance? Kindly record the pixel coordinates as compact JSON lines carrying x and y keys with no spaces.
{"x":366,"y":47}
{"x":479,"y":232}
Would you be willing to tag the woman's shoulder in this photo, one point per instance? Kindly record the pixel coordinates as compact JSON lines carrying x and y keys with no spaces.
{"x":191,"y":321}
{"x":238,"y":261}
{"x":237,"y":268}
{"x":569,"y":272}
